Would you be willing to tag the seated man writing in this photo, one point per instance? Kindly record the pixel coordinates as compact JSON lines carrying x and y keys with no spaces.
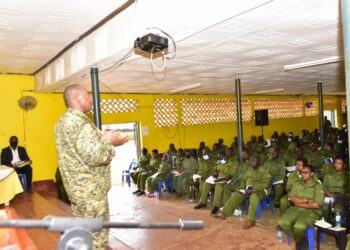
{"x":162,"y":174}
{"x":16,"y":157}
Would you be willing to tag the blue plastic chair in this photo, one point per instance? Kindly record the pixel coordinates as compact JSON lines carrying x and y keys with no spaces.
{"x":310,"y":234}
{"x":168,"y":186}
{"x":126,"y":173}
{"x":23,"y":181}
{"x":261,"y":206}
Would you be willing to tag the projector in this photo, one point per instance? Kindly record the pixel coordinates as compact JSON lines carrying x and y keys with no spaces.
{"x":151,"y":43}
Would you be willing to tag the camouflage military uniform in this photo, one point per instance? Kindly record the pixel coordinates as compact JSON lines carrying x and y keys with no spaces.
{"x":84,"y":159}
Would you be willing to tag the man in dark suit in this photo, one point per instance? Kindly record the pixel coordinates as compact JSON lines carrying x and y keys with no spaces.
{"x":14,"y":154}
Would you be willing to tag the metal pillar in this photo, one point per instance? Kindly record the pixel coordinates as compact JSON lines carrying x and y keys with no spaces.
{"x":239,"y":118}
{"x":96,"y":96}
{"x":345,"y":7}
{"x":320,"y":112}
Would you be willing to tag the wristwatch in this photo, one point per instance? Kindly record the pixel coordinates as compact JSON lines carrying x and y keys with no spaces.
{"x":307,"y":201}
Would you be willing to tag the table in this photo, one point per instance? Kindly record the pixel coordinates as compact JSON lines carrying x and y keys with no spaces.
{"x":9,"y":184}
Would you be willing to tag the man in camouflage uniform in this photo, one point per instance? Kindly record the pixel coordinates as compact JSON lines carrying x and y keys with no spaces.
{"x":84,"y":156}
{"x":141,"y":167}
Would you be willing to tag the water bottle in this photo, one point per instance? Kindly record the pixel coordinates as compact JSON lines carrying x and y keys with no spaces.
{"x":209,"y":197}
{"x":240,"y":215}
{"x":280,"y":235}
{"x":337,"y":220}
{"x":156,"y":194}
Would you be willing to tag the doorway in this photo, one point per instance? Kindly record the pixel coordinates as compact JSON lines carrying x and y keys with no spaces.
{"x":127,"y":152}
{"x":331,"y":116}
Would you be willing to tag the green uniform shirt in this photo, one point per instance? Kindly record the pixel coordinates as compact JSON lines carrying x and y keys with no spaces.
{"x":143,"y":162}
{"x":226,"y":170}
{"x":179,"y":161}
{"x":189,"y":165}
{"x":83,"y":157}
{"x":154,"y":165}
{"x":313,"y":191}
{"x":292,"y":179}
{"x":259,"y":178}
{"x":289,"y":159}
{"x":314,"y":159}
{"x":206,"y":168}
{"x":276,"y":168}
{"x":336,"y":183}
{"x":164,"y":169}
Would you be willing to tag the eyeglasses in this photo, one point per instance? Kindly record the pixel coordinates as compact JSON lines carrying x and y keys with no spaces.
{"x":305,"y":172}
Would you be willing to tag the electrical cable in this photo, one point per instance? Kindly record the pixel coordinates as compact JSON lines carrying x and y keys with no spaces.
{"x":154,"y":67}
{"x":171,"y":38}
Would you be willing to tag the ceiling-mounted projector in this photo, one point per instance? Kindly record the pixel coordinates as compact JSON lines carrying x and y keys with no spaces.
{"x":151,"y":43}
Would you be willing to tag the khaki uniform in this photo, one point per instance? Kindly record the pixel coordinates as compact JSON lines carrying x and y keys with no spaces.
{"x":189,"y":167}
{"x":260,"y":179}
{"x":83,"y":159}
{"x":292,"y":179}
{"x":151,"y":169}
{"x":224,"y":170}
{"x":162,"y":174}
{"x":278,"y":172}
{"x":236,"y":180}
{"x":206,"y":168}
{"x":296,"y":220}
{"x":142,"y":167}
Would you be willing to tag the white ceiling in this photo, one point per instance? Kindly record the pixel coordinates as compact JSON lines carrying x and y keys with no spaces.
{"x":215,"y":40}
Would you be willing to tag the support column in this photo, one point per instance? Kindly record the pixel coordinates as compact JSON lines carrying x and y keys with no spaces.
{"x":345,"y":7}
{"x":96,"y":96}
{"x":320,"y":112}
{"x":239,"y":118}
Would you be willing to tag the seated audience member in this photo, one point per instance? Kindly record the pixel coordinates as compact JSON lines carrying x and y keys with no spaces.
{"x":307,"y":197}
{"x":275,"y":166}
{"x":234,"y":184}
{"x":290,"y":155}
{"x":162,"y":174}
{"x":200,"y":150}
{"x":206,"y":168}
{"x":151,"y":169}
{"x":336,"y":183}
{"x":221,"y":145}
{"x":255,"y":186}
{"x":292,"y":179}
{"x":189,"y":167}
{"x":13,"y":155}
{"x":225,"y":171}
{"x":171,"y":152}
{"x":142,"y":165}
{"x":314,"y":157}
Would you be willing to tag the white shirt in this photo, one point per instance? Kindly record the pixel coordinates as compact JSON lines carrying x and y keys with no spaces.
{"x":15,"y":156}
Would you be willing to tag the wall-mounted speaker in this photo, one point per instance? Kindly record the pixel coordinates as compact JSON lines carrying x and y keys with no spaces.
{"x":261,"y":117}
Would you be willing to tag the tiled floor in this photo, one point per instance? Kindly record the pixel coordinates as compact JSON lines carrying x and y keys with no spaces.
{"x":217,"y":234}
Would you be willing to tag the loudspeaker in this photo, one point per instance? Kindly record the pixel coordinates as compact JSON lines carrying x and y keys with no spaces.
{"x":261,"y":117}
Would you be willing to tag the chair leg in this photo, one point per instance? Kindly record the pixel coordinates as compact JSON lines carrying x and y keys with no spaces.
{"x":258,"y":212}
{"x":160,"y":187}
{"x":310,"y":231}
{"x":128,"y":180}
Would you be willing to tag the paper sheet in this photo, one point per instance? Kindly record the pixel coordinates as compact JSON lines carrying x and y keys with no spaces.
{"x":155,"y":175}
{"x":196,"y":176}
{"x":278,"y":182}
{"x":210,"y":180}
{"x":291,"y":168}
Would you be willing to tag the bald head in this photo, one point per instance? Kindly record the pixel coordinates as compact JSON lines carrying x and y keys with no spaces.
{"x":77,"y":97}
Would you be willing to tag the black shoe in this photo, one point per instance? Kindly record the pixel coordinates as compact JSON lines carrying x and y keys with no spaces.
{"x":141,"y":193}
{"x":200,"y":205}
{"x":215,"y":210}
{"x":137,"y":191}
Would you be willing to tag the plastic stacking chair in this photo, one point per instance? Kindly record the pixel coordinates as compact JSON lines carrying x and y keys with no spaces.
{"x":168,"y":186}
{"x":23,"y":181}
{"x":126,"y":173}
{"x":310,"y":234}
{"x":261,"y":206}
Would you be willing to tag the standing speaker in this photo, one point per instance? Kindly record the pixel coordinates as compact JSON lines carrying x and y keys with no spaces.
{"x":261,"y":117}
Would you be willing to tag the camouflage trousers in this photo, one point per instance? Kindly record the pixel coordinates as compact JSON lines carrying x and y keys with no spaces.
{"x":91,"y":207}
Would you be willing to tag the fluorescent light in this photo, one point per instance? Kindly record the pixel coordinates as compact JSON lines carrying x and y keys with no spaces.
{"x":327,"y":60}
{"x":192,"y":86}
{"x":269,"y":91}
